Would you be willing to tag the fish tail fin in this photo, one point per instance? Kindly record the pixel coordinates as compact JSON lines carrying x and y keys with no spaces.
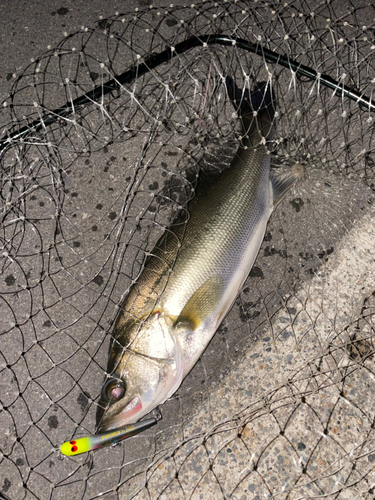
{"x":256,"y":110}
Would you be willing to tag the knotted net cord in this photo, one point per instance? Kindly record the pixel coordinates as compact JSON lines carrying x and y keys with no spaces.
{"x":280,"y":404}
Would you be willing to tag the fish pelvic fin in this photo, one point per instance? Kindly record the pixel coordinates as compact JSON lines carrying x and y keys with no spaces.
{"x":282,"y":184}
{"x":256,"y":110}
{"x":201,"y":304}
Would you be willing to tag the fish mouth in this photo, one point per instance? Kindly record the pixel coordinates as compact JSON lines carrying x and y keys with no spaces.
{"x":125,"y":416}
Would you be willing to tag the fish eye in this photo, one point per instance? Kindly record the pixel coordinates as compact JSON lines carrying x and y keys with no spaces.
{"x":114,"y":389}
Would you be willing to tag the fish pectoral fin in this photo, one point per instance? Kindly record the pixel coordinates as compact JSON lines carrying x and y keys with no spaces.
{"x":281,"y":184}
{"x":201,"y":304}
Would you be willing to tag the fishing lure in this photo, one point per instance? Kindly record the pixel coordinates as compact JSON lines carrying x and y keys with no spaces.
{"x":83,"y":445}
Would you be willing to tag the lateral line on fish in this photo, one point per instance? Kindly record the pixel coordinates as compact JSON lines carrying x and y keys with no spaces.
{"x":221,"y":242}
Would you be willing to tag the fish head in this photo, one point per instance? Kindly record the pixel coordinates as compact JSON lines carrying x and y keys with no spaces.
{"x":141,"y":374}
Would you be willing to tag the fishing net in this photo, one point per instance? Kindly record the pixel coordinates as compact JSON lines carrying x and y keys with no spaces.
{"x":280,"y":405}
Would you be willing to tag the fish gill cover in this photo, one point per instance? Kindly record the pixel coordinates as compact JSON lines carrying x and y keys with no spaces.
{"x":280,"y":405}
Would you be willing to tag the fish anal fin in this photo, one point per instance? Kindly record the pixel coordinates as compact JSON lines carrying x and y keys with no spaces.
{"x":281,"y":184}
{"x":201,"y":304}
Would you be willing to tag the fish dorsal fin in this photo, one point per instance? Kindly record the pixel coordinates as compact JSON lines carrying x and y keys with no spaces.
{"x":201,"y":304}
{"x":281,"y":184}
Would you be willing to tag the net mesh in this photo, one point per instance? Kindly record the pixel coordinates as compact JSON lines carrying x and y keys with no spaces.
{"x":280,"y":403}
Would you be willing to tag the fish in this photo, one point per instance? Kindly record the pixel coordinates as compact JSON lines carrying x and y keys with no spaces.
{"x":90,"y":443}
{"x":196,"y":270}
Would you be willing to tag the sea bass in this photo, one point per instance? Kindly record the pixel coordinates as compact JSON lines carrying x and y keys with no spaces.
{"x":194,"y":274}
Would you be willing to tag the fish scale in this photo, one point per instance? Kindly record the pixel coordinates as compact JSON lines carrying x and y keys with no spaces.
{"x":223,"y":225}
{"x":194,"y":273}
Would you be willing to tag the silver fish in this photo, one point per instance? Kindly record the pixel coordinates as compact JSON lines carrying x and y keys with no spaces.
{"x":195,"y":273}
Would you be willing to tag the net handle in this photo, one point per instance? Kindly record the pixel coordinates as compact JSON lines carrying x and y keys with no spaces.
{"x":154,"y":60}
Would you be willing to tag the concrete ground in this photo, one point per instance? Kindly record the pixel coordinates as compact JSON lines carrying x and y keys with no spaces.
{"x":280,"y":404}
